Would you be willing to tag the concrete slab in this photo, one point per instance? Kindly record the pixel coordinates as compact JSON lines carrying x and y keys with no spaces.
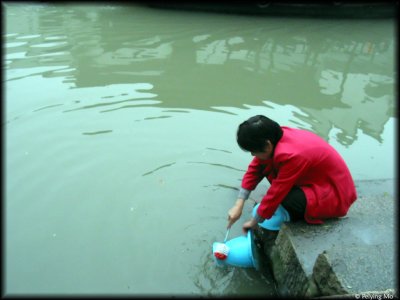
{"x":355,"y":269}
{"x":348,"y":255}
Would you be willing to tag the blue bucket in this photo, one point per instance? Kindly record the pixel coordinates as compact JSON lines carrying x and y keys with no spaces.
{"x":241,"y":252}
{"x":275,"y":222}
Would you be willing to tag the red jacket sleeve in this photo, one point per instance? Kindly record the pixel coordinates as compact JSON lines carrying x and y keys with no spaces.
{"x":290,"y":170}
{"x":254,"y":174}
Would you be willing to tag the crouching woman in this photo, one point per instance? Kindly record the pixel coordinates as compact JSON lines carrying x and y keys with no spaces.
{"x":308,"y":178}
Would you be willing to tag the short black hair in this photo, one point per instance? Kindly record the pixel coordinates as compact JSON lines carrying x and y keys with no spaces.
{"x":253,"y":133}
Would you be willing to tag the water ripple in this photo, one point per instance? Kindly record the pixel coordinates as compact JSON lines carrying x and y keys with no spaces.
{"x":215,"y":164}
{"x":161,"y":167}
{"x":147,"y":103}
{"x":137,"y":103}
{"x":214,"y":149}
{"x":48,"y":106}
{"x":159,"y":117}
{"x":96,"y":132}
{"x":223,"y":186}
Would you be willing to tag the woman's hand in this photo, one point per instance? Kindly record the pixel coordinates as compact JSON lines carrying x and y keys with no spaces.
{"x":235,"y":212}
{"x":249,"y":225}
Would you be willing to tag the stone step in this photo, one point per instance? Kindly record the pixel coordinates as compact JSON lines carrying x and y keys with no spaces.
{"x":343,"y":256}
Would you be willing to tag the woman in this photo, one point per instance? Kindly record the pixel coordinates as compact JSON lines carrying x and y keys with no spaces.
{"x":308,"y":177}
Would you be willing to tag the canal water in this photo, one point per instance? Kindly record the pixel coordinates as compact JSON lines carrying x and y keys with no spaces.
{"x":120,"y":154}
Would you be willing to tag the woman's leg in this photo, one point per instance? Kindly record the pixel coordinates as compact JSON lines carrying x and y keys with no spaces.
{"x":295,"y":203}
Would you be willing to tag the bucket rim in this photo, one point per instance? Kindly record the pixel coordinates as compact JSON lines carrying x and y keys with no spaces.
{"x":251,"y":248}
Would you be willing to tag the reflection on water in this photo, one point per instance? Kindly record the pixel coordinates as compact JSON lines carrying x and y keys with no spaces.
{"x":121,"y":158}
{"x":334,"y":75}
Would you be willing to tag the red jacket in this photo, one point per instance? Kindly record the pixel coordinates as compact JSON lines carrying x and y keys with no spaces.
{"x":301,"y":158}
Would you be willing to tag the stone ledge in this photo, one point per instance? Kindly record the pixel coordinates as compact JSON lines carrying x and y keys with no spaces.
{"x":344,"y":256}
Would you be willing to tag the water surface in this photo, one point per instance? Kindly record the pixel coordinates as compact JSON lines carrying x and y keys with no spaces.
{"x":120,"y":152}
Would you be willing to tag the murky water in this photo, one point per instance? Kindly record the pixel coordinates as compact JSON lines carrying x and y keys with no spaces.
{"x":120,"y":152}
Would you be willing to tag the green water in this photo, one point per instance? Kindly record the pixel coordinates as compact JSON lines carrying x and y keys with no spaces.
{"x":120,"y":154}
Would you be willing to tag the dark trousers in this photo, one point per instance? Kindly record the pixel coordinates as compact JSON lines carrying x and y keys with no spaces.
{"x":295,"y":203}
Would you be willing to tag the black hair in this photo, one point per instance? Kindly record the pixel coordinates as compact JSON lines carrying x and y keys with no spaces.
{"x":253,"y":133}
